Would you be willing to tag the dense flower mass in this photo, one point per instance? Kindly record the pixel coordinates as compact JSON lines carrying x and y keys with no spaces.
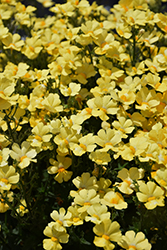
{"x":83,"y":125}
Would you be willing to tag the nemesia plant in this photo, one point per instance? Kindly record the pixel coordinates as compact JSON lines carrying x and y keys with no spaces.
{"x":83,"y":125}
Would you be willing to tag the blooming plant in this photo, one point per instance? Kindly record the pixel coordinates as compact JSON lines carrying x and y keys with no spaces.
{"x":83,"y":126}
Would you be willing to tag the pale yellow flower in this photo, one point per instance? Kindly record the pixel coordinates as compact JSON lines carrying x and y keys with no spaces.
{"x":15,"y":71}
{"x":52,"y":103}
{"x":71,"y":90}
{"x":151,"y":194}
{"x":97,"y":213}
{"x":100,"y":158}
{"x":24,"y":154}
{"x":4,"y":155}
{"x":13,"y":42}
{"x":103,"y":186}
{"x":57,"y":235}
{"x":146,"y":99}
{"x":85,"y":198}
{"x":7,"y":98}
{"x":61,"y":217}
{"x":60,"y":168}
{"x":65,"y":138}
{"x":114,"y":199}
{"x":107,"y":139}
{"x":84,"y":182}
{"x":22,"y":209}
{"x":107,"y":231}
{"x":9,"y":196}
{"x":133,"y":241}
{"x":128,"y":177}
{"x":41,"y":136}
{"x":86,"y":144}
{"x":76,"y":218}
{"x":32,"y":47}
{"x":124,"y":125}
{"x":8,"y":176}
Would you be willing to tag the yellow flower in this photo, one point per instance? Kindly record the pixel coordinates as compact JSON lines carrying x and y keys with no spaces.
{"x":133,"y":241}
{"x":103,"y":186}
{"x":8,"y":176}
{"x":150,"y":153}
{"x":40,"y":137}
{"x":128,"y":177}
{"x":100,"y":158}
{"x":23,"y":155}
{"x":154,"y":81}
{"x":125,"y":126}
{"x":103,"y":105}
{"x":135,"y":17}
{"x":59,"y":167}
{"x":97,"y":213}
{"x":72,"y":122}
{"x":85,"y":198}
{"x":86,"y":144}
{"x":105,"y":86}
{"x":66,"y":9}
{"x":7,"y":87}
{"x":32,"y":47}
{"x":84,"y":72}
{"x":105,"y":42}
{"x":91,"y":29}
{"x":50,"y":41}
{"x":123,"y":29}
{"x":70,"y":90}
{"x":51,"y":103}
{"x":161,"y":177}
{"x":127,"y":97}
{"x":114,"y":199}
{"x":4,"y":155}
{"x":107,"y":231}
{"x":5,"y":11}
{"x":107,"y":139}
{"x":136,"y":147}
{"x":150,"y":194}
{"x":60,"y":217}
{"x":77,"y":218}
{"x":15,"y":71}
{"x":57,"y":235}
{"x":65,"y":138}
{"x":22,"y":209}
{"x":5,"y":194}
{"x":13,"y":42}
{"x":84,"y":182}
{"x":3,"y":31}
{"x":43,"y":23}
{"x":46,"y":3}
{"x":110,"y":71}
{"x":138,"y":69}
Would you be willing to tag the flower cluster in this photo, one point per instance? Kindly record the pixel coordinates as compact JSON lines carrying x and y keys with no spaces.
{"x":83,"y":103}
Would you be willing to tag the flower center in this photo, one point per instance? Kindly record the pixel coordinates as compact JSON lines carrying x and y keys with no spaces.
{"x":4,"y":180}
{"x":60,"y":222}
{"x":54,"y":239}
{"x":130,"y":247}
{"x":23,"y":157}
{"x":61,"y":169}
{"x":76,"y":219}
{"x":38,"y":138}
{"x":87,"y":204}
{"x":106,"y":237}
{"x":151,"y":198}
{"x":88,"y":110}
{"x":82,"y":146}
{"x":114,"y":201}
